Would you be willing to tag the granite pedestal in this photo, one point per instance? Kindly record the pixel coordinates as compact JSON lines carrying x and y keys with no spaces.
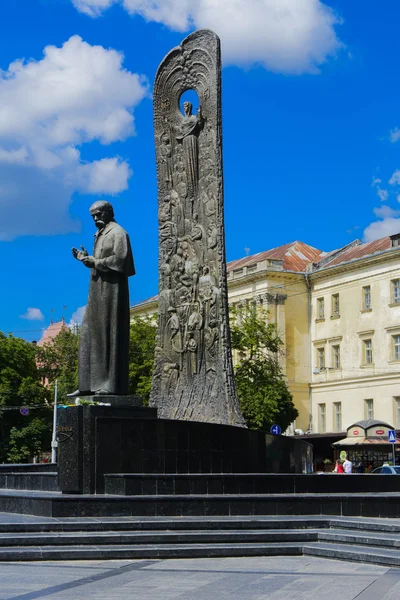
{"x":97,"y":440}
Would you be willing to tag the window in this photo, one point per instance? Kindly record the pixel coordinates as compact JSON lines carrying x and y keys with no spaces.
{"x":395,"y":240}
{"x":335,"y":305}
{"x":337,"y":416}
{"x":396,"y":347}
{"x":321,"y":418}
{"x":336,"y":356}
{"x":320,"y":308}
{"x":321,"y":358}
{"x":397,"y":411}
{"x":367,"y":352}
{"x":369,"y":408}
{"x":367,"y":297}
{"x":395,"y":291}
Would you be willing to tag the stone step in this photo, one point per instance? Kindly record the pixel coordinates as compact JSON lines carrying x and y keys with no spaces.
{"x":379,"y":525}
{"x":34,"y":553}
{"x":53,"y":504}
{"x":88,"y":525}
{"x":360,"y":537}
{"x":106,"y":538}
{"x":189,"y":536}
{"x":41,"y":481}
{"x":378,"y":556}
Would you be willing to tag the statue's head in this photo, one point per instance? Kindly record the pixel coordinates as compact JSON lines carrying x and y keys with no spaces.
{"x":187,"y":108}
{"x":102,"y":213}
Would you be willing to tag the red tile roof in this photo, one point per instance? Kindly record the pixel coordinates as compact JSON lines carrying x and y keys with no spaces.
{"x":355,"y":252}
{"x":51,"y":332}
{"x":295,"y":256}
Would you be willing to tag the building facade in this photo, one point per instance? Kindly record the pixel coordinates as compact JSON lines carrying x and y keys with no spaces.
{"x":355,"y":336}
{"x":338,"y":315}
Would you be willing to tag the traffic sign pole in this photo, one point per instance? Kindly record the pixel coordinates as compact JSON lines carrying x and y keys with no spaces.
{"x":54,"y":442}
{"x":392,"y":440}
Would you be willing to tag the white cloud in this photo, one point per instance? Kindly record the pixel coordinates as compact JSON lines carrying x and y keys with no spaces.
{"x":289,"y":36}
{"x":77,"y":316}
{"x":33,"y":314}
{"x":380,"y":229}
{"x":109,"y":176}
{"x":395,"y":135}
{"x":385,"y":212}
{"x":93,"y":8}
{"x":395,"y":178}
{"x":383,"y":194}
{"x":76,"y":94}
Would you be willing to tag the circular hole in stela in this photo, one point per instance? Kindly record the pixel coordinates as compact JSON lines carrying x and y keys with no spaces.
{"x":189,"y":96}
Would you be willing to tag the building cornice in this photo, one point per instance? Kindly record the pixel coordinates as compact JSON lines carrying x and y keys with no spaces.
{"x":356,"y":380}
{"x":355,"y":264}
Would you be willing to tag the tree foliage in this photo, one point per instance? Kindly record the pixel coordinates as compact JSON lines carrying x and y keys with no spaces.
{"x":20,"y":385}
{"x":58,"y":359}
{"x":29,"y":441}
{"x":142,"y":344}
{"x":263,"y":393}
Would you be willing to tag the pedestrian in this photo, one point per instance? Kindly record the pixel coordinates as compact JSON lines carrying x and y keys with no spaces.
{"x":360,"y":468}
{"x":338,"y":467}
{"x":348,"y":466}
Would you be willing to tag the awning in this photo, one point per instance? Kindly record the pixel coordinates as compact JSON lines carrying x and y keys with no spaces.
{"x":359,"y":441}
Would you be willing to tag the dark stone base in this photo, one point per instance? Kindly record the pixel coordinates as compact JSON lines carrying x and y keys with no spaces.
{"x":95,"y":440}
{"x":64,"y":505}
{"x":134,"y":484}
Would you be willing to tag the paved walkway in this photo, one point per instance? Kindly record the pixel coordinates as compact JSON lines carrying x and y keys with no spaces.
{"x":199,"y":579}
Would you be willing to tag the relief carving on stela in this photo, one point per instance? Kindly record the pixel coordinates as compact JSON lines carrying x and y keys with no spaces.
{"x":193,"y":373}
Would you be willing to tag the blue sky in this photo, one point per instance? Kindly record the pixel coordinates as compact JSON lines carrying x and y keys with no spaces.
{"x":311,"y":120}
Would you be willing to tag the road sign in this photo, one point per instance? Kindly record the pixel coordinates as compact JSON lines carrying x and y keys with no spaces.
{"x":275,"y":429}
{"x":392,"y":436}
{"x":24,"y":411}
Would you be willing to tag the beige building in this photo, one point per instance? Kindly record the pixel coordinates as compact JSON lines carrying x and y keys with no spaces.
{"x":355,"y":335}
{"x":338,"y":315}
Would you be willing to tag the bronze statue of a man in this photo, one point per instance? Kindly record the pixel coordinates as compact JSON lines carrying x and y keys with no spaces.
{"x":104,"y":337}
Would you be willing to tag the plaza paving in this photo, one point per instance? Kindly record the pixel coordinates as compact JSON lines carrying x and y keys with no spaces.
{"x":199,"y":579}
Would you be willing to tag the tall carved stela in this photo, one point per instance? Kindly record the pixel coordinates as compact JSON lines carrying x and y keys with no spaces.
{"x":193,"y":373}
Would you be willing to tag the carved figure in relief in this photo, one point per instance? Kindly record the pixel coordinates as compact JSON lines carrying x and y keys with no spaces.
{"x":173,"y":327}
{"x":167,"y":229}
{"x":166,"y":158}
{"x":191,"y":347}
{"x":209,"y":204}
{"x":206,"y":283}
{"x":211,"y":338}
{"x":188,"y":134}
{"x":178,"y":212}
{"x":177,"y":265}
{"x":169,"y":377}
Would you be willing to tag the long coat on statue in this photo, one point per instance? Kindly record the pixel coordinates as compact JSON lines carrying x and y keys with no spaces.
{"x":104,"y":336}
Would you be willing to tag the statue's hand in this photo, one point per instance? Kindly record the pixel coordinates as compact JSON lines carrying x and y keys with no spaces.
{"x":88,"y":261}
{"x":79,"y":254}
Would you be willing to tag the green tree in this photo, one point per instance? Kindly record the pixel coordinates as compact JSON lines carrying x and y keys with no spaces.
{"x":58,"y":359}
{"x":20,"y":385}
{"x":263,"y":393}
{"x":28,"y":442}
{"x":142,"y":344}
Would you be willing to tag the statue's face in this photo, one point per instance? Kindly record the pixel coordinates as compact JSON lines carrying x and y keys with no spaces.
{"x":100,"y":218}
{"x":187,"y":108}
